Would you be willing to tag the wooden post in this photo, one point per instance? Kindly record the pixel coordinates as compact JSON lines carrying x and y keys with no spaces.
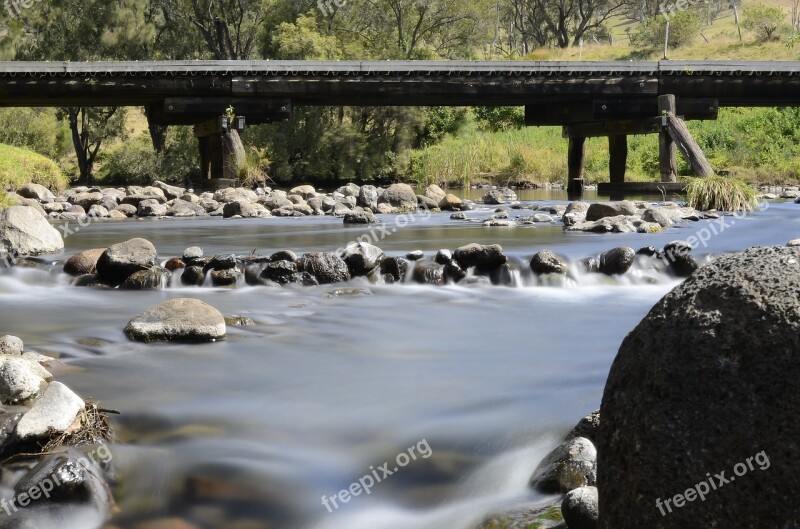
{"x":618,"y":158}
{"x":689,"y":148}
{"x":667,"y":154}
{"x":576,"y":157}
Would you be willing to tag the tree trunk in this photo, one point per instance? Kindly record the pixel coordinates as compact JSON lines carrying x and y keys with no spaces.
{"x":81,"y":150}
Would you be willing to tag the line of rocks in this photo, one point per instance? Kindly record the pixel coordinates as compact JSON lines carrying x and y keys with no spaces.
{"x":135,"y":265}
{"x":164,"y":200}
{"x":46,"y":432}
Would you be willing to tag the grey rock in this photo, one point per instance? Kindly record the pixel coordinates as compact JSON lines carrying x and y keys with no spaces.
{"x":658,"y":216}
{"x":793,"y":243}
{"x":415,"y":255}
{"x":546,"y":262}
{"x":281,"y":272}
{"x":362,"y":258}
{"x":283,"y":255}
{"x":181,"y":319}
{"x":182,"y":208}
{"x":368,"y":197}
{"x":499,"y":196}
{"x":458,"y":216}
{"x":396,"y":267}
{"x":427,"y":203}
{"x":18,"y":381}
{"x":52,"y":414}
{"x":151,"y":208}
{"x":152,"y":279}
{"x":304,"y":191}
{"x":193,"y":276}
{"x":127,"y":209}
{"x":221,"y":262}
{"x":25,"y":231}
{"x":36,"y":192}
{"x":121,"y":260}
{"x":580,"y":508}
{"x":399,"y":196}
{"x":451,"y":202}
{"x":225,"y":277}
{"x":586,"y":427}
{"x":571,"y":465}
{"x":11,"y":345}
{"x":443,"y":257}
{"x":326,"y":268}
{"x":191,"y":254}
{"x":482,"y":256}
{"x":97,"y":211}
{"x":499,"y":223}
{"x":242,"y":208}
{"x":617,"y":261}
{"x":170,"y":192}
{"x":231,"y":194}
{"x":363,"y":217}
{"x":86,"y":200}
{"x":677,"y":255}
{"x":705,"y":382}
{"x":435,"y":193}
{"x":428,"y":274}
{"x":349,"y":190}
{"x":600,"y":210}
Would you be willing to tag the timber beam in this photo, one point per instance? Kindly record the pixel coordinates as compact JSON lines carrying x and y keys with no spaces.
{"x":566,"y":113}
{"x":614,"y":128}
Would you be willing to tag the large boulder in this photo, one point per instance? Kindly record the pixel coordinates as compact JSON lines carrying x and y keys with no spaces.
{"x":25,"y":231}
{"x":600,"y":210}
{"x":326,"y":268}
{"x":482,"y":256}
{"x":84,"y":262}
{"x":121,"y":260}
{"x":181,"y":319}
{"x":399,"y":196}
{"x":36,"y":192}
{"x":704,"y":392}
{"x":53,"y":414}
{"x":546,"y":262}
{"x":362,"y":258}
{"x":435,"y":193}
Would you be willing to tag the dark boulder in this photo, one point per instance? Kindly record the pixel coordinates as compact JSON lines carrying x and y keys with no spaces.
{"x":677,"y":255}
{"x":193,"y":276}
{"x":152,"y":279}
{"x":281,"y":272}
{"x":396,"y":267}
{"x":482,"y":256}
{"x":428,"y":274}
{"x":616,"y":261}
{"x":546,"y":262}
{"x":121,"y":260}
{"x":707,"y":383}
{"x":326,"y":268}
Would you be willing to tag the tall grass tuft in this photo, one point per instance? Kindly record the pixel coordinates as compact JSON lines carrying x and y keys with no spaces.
{"x":721,"y":193}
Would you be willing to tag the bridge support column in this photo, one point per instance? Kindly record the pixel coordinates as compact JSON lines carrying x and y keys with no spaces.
{"x":221,"y":152}
{"x":667,"y":153}
{"x":576,"y":157}
{"x":618,"y":158}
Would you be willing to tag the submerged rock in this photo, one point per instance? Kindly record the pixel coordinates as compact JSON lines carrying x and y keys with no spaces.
{"x":707,"y":383}
{"x":571,"y":465}
{"x":326,"y":268}
{"x":152,"y":279}
{"x":482,"y":256}
{"x":428,"y":274}
{"x":546,"y":262}
{"x":182,"y":319}
{"x":617,"y":261}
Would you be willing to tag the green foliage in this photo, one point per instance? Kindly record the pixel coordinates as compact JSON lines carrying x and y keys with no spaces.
{"x":36,"y":129}
{"x":440,"y":121}
{"x":721,"y":193}
{"x":302,"y":40}
{"x":684,"y":28}
{"x":20,"y":166}
{"x":763,"y":20}
{"x":136,"y":162}
{"x":253,"y":168}
{"x":500,"y":118}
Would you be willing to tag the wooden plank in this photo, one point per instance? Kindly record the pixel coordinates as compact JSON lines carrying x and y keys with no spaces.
{"x":618,"y":158}
{"x":688,"y":108}
{"x":667,"y":155}
{"x":576,"y":158}
{"x":614,"y":128}
{"x":689,"y":148}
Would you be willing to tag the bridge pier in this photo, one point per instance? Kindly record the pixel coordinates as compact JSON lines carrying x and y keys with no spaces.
{"x":667,"y":153}
{"x":576,"y":158}
{"x":221,"y":151}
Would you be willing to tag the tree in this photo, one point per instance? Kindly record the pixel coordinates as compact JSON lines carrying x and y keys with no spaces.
{"x":84,"y":31}
{"x":763,"y":20}
{"x":684,"y":27}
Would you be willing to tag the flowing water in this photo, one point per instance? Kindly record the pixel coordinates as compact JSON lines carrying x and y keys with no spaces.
{"x":329,"y":383}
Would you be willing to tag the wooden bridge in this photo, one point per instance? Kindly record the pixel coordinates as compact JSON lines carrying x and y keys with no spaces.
{"x":613,"y":99}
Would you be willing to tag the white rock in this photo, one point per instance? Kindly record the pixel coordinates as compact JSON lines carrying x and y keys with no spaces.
{"x":18,"y":381}
{"x":25,"y":231}
{"x":53,"y":413}
{"x":10,"y":345}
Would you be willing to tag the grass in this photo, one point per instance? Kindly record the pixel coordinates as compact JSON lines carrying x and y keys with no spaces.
{"x":20,"y":166}
{"x":721,"y":193}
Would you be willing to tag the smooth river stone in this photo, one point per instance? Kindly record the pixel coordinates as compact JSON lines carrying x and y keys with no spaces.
{"x":182,"y":319}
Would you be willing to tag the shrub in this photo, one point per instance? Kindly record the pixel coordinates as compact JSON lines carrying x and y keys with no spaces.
{"x":763,"y":20}
{"x":684,"y":28}
{"x":20,"y":166}
{"x":721,"y":193}
{"x":500,"y":118}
